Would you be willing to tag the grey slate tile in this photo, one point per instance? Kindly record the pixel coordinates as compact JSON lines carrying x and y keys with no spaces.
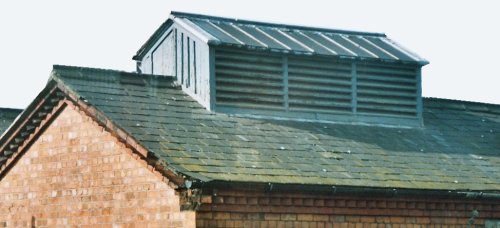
{"x":222,"y":147}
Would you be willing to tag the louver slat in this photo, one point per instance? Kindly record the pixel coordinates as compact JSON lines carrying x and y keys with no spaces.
{"x":248,"y":80}
{"x":319,"y":85}
{"x":386,"y":90}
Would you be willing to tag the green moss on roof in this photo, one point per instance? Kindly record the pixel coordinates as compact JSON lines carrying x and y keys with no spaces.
{"x":458,"y":149}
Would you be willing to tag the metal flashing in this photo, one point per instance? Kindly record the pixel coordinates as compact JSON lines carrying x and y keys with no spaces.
{"x":199,"y":33}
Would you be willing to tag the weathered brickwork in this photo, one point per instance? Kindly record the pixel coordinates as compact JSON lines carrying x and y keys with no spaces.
{"x":77,"y":174}
{"x":251,"y":209}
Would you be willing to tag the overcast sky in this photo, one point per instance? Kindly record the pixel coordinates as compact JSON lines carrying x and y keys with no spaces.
{"x":461,"y":39}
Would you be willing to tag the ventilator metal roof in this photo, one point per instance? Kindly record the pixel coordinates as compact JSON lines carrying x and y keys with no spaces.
{"x":300,"y":40}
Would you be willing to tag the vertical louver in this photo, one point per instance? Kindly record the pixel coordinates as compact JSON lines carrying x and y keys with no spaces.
{"x":319,"y":85}
{"x":248,"y":80}
{"x":386,"y":89}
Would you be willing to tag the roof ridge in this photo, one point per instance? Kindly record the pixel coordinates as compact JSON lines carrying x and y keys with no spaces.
{"x":445,"y":103}
{"x":287,"y":26}
{"x":11,"y":109}
{"x":56,"y":67}
{"x":459,"y":101}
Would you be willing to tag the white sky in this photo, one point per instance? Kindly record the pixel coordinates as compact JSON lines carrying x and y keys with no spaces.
{"x":461,"y":39}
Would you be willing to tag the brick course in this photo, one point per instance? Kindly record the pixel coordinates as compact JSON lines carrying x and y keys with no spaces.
{"x":78,"y":174}
{"x":228,"y":209}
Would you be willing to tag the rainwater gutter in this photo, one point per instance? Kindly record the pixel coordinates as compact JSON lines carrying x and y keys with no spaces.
{"x":345,"y":190}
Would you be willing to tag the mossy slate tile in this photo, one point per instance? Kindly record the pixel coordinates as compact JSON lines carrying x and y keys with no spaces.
{"x":449,"y":147}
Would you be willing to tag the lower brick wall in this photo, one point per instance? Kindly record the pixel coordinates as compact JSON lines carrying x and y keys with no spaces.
{"x":77,"y":174}
{"x":253,"y":209}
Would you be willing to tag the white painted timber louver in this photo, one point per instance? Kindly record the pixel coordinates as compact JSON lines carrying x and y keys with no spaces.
{"x":386,"y":89}
{"x":319,"y":85}
{"x":248,"y":80}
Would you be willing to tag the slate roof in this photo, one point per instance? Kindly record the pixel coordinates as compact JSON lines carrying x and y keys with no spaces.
{"x":7,"y":116}
{"x":458,"y":149}
{"x":219,"y":31}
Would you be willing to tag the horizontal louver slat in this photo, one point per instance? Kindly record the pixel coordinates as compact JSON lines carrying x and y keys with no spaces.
{"x":325,"y":81}
{"x":387,"y":101}
{"x":249,"y":74}
{"x":386,"y":90}
{"x":265,"y":68}
{"x":320,"y":64}
{"x":317,"y":85}
{"x":245,"y":57}
{"x":388,"y":110}
{"x":246,"y":90}
{"x":318,"y":109}
{"x":300,"y":88}
{"x":250,"y":98}
{"x":385,"y":93}
{"x":387,"y":69}
{"x":378,"y":85}
{"x":248,"y":80}
{"x":318,"y":103}
{"x":383,"y":78}
{"x":312,"y":73}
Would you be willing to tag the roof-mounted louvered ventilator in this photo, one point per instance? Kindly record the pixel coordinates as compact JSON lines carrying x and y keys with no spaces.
{"x":321,"y":85}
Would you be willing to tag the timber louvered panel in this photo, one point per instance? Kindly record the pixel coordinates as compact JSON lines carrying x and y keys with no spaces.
{"x":384,"y":89}
{"x":319,"y":85}
{"x":248,"y":80}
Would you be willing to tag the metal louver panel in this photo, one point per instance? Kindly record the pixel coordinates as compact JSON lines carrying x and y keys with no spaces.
{"x":248,"y":80}
{"x":319,"y":85}
{"x":384,"y":89}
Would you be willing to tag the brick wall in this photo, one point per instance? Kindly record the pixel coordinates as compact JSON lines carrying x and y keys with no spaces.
{"x":78,"y":174}
{"x":254,"y":209}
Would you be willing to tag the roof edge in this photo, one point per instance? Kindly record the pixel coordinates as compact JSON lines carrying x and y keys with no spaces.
{"x":56,"y":67}
{"x":28,"y":125}
{"x":173,"y":174}
{"x":349,"y":190}
{"x":152,"y":39}
{"x":55,"y":91}
{"x":444,"y":103}
{"x":26,"y":113}
{"x":12,"y":109}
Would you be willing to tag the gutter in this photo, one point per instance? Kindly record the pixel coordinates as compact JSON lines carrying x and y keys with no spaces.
{"x":345,"y":190}
{"x":480,"y":195}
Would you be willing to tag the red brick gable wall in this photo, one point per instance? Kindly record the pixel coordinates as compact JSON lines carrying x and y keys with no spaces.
{"x":76,"y":173}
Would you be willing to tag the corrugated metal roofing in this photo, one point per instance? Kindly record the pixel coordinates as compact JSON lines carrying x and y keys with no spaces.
{"x":294,"y":39}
